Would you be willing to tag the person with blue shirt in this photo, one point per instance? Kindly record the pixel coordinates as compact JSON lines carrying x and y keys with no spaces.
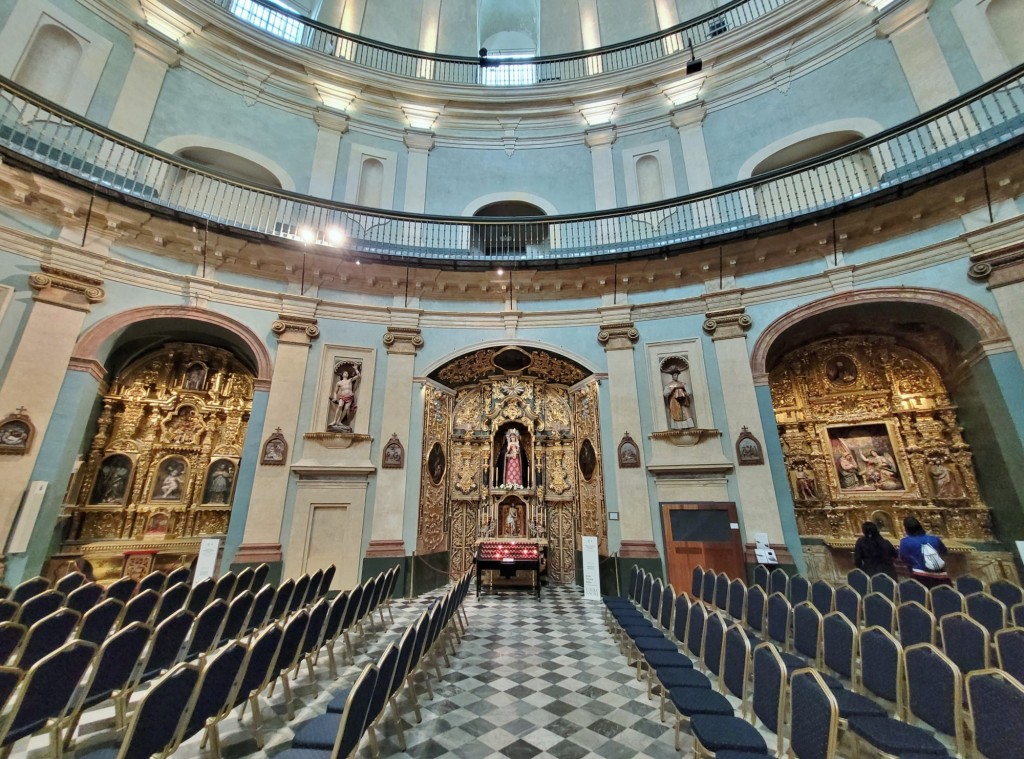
{"x":912,"y":554}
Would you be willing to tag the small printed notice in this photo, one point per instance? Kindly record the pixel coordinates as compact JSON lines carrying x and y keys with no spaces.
{"x":591,"y":576}
{"x":206,"y":564}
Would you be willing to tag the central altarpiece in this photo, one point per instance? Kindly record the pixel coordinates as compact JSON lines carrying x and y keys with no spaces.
{"x":511,"y":450}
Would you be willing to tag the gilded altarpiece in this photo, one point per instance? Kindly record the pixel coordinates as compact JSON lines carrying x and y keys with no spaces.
{"x":512,"y":451}
{"x":161,"y":470}
{"x":869,"y":432}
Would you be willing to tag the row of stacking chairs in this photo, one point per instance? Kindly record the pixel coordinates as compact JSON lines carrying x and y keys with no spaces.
{"x":966,"y":642}
{"x":673,"y":654}
{"x":132,"y":643}
{"x":359,"y":710}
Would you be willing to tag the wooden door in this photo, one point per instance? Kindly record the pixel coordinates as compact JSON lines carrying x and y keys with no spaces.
{"x":705,"y":534}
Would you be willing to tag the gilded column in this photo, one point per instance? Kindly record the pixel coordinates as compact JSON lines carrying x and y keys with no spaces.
{"x":261,"y":541}
{"x":618,"y":336}
{"x":402,"y":340}
{"x":758,"y":507}
{"x":330,"y":127}
{"x":137,"y":100}
{"x":61,"y":301}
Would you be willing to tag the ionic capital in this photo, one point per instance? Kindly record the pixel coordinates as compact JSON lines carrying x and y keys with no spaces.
{"x":618,"y":336}
{"x":65,"y":288}
{"x":727,"y":323}
{"x":295,"y":329}
{"x":403,"y":339}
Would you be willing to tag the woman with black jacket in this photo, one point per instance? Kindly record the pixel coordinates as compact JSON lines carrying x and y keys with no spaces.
{"x":873,"y":553}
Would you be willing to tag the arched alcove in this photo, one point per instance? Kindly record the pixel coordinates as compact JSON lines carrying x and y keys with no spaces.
{"x":508,"y":26}
{"x":371,"y":183}
{"x":649,"y":182}
{"x":1007,"y":20}
{"x":50,"y":62}
{"x":504,"y":238}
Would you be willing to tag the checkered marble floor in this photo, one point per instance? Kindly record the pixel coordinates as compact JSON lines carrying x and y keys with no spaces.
{"x":533,"y":678}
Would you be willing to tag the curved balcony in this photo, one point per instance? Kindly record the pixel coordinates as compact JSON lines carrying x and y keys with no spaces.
{"x":500,"y":72}
{"x":975,"y":127}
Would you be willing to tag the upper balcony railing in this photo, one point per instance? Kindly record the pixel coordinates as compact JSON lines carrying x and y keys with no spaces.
{"x":987,"y":120}
{"x":496,"y":72}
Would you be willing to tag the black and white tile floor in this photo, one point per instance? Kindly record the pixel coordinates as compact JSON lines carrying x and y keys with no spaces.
{"x":533,"y":678}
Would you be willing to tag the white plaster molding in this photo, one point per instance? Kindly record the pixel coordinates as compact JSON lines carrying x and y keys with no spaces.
{"x":496,"y":197}
{"x":663,"y":154}
{"x":182,"y":141}
{"x":862,"y":126}
{"x":358,"y":153}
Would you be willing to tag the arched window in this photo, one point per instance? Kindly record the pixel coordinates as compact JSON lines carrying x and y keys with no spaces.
{"x":371,"y":183}
{"x":648,"y":179}
{"x":504,"y":238}
{"x":848,"y":177}
{"x":1006,"y":16}
{"x":50,"y":62}
{"x":508,"y":30}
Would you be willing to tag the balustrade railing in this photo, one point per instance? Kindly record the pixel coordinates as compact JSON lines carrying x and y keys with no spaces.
{"x":938,"y":142}
{"x":495,"y":71}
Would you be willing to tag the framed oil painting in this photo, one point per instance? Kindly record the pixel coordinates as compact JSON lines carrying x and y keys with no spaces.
{"x":865,"y":459}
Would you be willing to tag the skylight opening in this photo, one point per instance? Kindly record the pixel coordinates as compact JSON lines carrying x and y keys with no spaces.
{"x":269,"y":20}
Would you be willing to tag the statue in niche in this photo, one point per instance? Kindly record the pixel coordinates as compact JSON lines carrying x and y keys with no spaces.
{"x":343,"y":398}
{"x":218,"y":484}
{"x":678,"y":401}
{"x":112,"y":480}
{"x":195,"y":376}
{"x":513,"y":521}
{"x":806,"y":487}
{"x":944,"y":484}
{"x":511,"y":468}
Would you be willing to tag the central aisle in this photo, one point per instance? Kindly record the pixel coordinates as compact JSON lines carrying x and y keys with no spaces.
{"x":537,"y":678}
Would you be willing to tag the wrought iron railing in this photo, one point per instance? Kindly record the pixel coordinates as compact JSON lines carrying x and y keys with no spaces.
{"x":500,"y":72}
{"x":987,"y":120}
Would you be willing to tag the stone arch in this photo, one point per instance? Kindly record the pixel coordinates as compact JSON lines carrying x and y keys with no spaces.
{"x":980,"y":324}
{"x":185,"y":142}
{"x":475,"y":205}
{"x":95,"y":345}
{"x":860,"y":126}
{"x":557,"y":350}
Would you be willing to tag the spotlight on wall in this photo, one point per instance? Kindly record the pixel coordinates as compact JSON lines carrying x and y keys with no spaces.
{"x":306,"y":234}
{"x":335,"y":236}
{"x":695,"y":64}
{"x":500,"y":271}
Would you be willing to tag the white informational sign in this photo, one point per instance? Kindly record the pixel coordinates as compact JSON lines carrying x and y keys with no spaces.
{"x":591,"y":575}
{"x":1020,"y":549}
{"x":27,"y":517}
{"x":761,"y":540}
{"x":766,"y":556}
{"x":206,"y":564}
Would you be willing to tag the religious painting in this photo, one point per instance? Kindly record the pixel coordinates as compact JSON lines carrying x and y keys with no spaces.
{"x":436,"y":464}
{"x":220,"y":479}
{"x":587,"y":460}
{"x":157,"y":526}
{"x":394,"y":454}
{"x":512,"y":519}
{"x":15,"y":433}
{"x":113,"y":480}
{"x":275,"y":450}
{"x":748,"y":449}
{"x":169,"y":482}
{"x":841,"y":370}
{"x":629,"y":453}
{"x":865,"y":459}
{"x":195,"y":376}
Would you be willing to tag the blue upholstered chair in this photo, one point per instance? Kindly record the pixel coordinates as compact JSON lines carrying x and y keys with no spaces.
{"x":155,"y":729}
{"x":761,"y":577}
{"x":823,"y":596}
{"x":707,"y":589}
{"x":721,"y":599}
{"x":884,"y":584}
{"x":332,"y":570}
{"x":282,"y":600}
{"x":815,"y":732}
{"x":200,"y":595}
{"x":11,"y":636}
{"x":224,"y":589}
{"x":206,"y":631}
{"x":1009,"y":593}
{"x":696,"y":581}
{"x":99,"y":621}
{"x":965,"y":641}
{"x":179,"y":575}
{"x":911,"y":590}
{"x":291,"y":643}
{"x":122,"y":589}
{"x":83,"y":598}
{"x":1010,"y":651}
{"x":45,"y":637}
{"x":916,"y":623}
{"x":695,"y":626}
{"x":848,"y":602}
{"x":966,"y":585}
{"x":112,"y":676}
{"x":171,"y":600}
{"x":155,"y":581}
{"x":779,"y":620}
{"x":30,"y":588}
{"x":141,"y":608}
{"x":215,"y":693}
{"x":778,"y":582}
{"x":799,"y":589}
{"x":257,"y":674}
{"x":39,"y":606}
{"x":166,"y":645}
{"x":988,"y":610}
{"x":737,"y":602}
{"x":8,"y":610}
{"x":237,"y":618}
{"x":858,"y":580}
{"x":881,"y":667}
{"x":260,"y":576}
{"x":879,"y":611}
{"x":351,"y":726}
{"x":945,"y":600}
{"x":935,"y":691}
{"x":46,"y":695}
{"x":996,"y":704}
{"x":313,"y":588}
{"x":69,"y":582}
{"x":807,"y":632}
{"x":244,"y":581}
{"x":714,"y":634}
{"x":261,"y":604}
{"x":757,"y":606}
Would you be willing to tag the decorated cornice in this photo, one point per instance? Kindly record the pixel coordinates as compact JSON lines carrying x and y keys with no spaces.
{"x":66,"y":288}
{"x":295,"y":329}
{"x":727,"y":323}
